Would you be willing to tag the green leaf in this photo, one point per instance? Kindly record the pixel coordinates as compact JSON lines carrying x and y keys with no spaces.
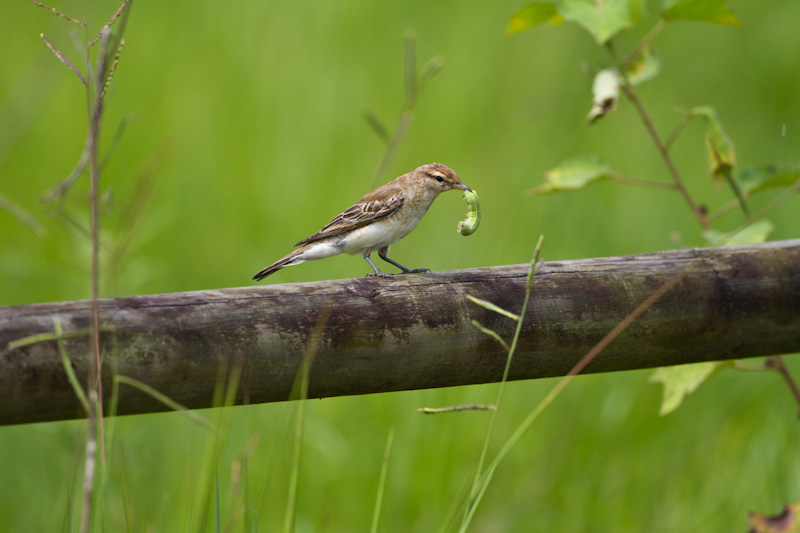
{"x":533,"y":15}
{"x":754,"y":233}
{"x":680,"y":381}
{"x":574,"y":173}
{"x":755,"y":178}
{"x":721,"y":151}
{"x":602,"y":18}
{"x":645,"y":68}
{"x":703,"y":10}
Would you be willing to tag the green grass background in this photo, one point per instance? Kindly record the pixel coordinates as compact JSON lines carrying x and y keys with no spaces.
{"x":259,"y":104}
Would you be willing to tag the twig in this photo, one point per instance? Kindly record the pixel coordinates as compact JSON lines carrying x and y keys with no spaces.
{"x":642,"y":182}
{"x":780,"y":366}
{"x":685,"y":118}
{"x":772,"y":204}
{"x":699,"y":213}
{"x":727,"y":208}
{"x":627,"y":88}
{"x":645,"y":42}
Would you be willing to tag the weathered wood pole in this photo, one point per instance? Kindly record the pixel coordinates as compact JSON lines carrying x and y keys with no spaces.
{"x":380,"y":335}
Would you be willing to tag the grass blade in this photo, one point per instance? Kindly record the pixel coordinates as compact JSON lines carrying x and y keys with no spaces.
{"x":163,"y":398}
{"x":382,"y":481}
{"x":492,"y":307}
{"x":73,"y":379}
{"x":478,"y":485}
{"x":492,"y":333}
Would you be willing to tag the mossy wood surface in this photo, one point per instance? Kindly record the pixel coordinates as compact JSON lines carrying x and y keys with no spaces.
{"x":378,"y":335}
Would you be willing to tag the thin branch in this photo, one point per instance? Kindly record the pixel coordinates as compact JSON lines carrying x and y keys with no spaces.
{"x":699,"y":213}
{"x":772,"y":204}
{"x":63,"y":59}
{"x":627,"y":88}
{"x":738,"y":365}
{"x":677,"y":131}
{"x":645,"y":42}
{"x":639,"y":182}
{"x":780,"y":366}
{"x":730,"y":206}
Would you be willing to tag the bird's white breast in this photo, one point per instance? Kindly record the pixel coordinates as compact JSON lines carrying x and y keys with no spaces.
{"x":379,"y":234}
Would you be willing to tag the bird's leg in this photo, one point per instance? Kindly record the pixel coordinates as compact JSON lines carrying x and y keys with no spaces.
{"x":377,"y":272}
{"x":385,"y":250}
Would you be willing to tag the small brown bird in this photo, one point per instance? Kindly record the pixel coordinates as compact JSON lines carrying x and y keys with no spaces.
{"x":379,"y":219}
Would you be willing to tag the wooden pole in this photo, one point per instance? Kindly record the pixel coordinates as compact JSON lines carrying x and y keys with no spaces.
{"x":378,"y":335}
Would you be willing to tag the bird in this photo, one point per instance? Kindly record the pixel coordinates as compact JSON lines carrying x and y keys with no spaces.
{"x":381,"y":218}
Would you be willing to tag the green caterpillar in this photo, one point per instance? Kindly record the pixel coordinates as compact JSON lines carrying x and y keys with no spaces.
{"x":470,"y":224}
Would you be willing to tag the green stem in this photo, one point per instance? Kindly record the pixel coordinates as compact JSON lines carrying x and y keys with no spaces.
{"x":474,"y":496}
{"x":627,"y":88}
{"x":645,"y":42}
{"x":382,"y":481}
{"x":639,"y":182}
{"x":777,"y":360}
{"x":699,"y":212}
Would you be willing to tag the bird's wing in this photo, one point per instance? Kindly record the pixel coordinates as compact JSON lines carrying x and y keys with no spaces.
{"x":376,"y":205}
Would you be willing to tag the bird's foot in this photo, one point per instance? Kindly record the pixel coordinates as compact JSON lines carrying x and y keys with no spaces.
{"x":416,"y":271}
{"x":380,"y":275}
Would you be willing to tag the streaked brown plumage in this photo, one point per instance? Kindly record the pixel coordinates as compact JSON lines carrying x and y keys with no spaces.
{"x":382,"y":217}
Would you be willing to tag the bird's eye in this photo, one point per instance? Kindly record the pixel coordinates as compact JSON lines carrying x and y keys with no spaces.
{"x":439,"y":179}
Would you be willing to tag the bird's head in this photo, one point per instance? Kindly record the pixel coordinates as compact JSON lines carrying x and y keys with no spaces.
{"x":439,"y":178}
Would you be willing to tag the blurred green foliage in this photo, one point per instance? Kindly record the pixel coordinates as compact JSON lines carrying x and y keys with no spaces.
{"x":258,"y":107}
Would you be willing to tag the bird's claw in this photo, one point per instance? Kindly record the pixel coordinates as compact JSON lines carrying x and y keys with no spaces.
{"x":417,"y":271}
{"x":380,"y":275}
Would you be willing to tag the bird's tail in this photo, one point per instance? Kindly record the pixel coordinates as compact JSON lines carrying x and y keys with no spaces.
{"x":289,"y":260}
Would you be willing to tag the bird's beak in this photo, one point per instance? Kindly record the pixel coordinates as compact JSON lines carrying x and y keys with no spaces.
{"x":463,"y":187}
